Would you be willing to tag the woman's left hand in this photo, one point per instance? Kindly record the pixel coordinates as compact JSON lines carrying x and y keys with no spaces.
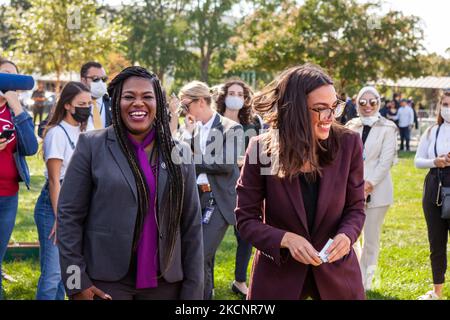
{"x":339,"y":248}
{"x":53,"y":233}
{"x":368,"y":188}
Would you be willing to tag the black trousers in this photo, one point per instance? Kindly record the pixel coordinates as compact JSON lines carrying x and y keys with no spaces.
{"x":243,"y":255}
{"x":438,"y":228}
{"x":309,"y":287}
{"x":125,"y":289}
{"x":38,"y":111}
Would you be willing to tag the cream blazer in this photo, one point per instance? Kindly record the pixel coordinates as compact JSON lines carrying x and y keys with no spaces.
{"x":380,"y":153}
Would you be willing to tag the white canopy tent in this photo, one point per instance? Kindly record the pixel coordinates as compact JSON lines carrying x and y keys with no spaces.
{"x":422,"y":83}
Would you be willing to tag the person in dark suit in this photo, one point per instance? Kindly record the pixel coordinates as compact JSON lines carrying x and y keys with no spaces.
{"x":93,"y":75}
{"x":233,"y":101}
{"x":310,"y":191}
{"x":216,"y":143}
{"x":131,"y":229}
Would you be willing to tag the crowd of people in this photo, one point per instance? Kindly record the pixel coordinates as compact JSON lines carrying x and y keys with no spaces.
{"x":140,"y":188}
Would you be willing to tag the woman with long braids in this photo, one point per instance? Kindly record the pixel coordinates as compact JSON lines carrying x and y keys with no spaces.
{"x":129,"y":222}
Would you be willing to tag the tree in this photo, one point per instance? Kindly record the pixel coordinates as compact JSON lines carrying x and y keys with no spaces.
{"x":59,"y":36}
{"x":18,"y":6}
{"x":157,"y":33}
{"x":181,"y":38}
{"x":435,"y":65}
{"x":342,"y":36}
{"x":211,"y":31}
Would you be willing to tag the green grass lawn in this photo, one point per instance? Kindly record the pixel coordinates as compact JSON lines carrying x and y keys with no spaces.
{"x":404,"y":269}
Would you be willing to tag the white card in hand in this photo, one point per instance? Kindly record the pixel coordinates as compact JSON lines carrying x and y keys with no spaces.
{"x":322,"y":255}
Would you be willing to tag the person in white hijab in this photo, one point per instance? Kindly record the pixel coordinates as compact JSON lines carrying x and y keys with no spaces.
{"x":379,"y":136}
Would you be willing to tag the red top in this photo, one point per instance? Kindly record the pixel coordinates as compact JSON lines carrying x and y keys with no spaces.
{"x":9,"y":176}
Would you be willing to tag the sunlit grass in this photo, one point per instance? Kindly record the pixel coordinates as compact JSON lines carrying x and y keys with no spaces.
{"x":404,"y":267}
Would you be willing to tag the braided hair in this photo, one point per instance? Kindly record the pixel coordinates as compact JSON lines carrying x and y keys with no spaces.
{"x":165,"y":145}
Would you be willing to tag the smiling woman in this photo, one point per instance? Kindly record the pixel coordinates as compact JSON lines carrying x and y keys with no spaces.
{"x":315,"y":194}
{"x":138,"y":106}
{"x":142,"y":236}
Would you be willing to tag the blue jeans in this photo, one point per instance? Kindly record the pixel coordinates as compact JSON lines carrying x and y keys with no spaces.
{"x":50,"y":285}
{"x":405,"y":135}
{"x":8,"y":212}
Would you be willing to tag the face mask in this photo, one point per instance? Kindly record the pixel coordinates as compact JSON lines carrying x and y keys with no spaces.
{"x":234,"y":103}
{"x":445,"y":113}
{"x":98,"y":89}
{"x":369,"y":121}
{"x":81,"y":114}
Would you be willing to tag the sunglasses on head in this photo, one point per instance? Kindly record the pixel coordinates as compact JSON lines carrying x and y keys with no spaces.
{"x":97,"y":79}
{"x":372,"y":102}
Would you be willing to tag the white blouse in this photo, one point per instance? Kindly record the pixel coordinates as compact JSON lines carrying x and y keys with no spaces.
{"x":425,"y":152}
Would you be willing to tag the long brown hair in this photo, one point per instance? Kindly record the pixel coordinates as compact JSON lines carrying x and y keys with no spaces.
{"x":291,"y":138}
{"x":245,"y":114}
{"x":68,"y":93}
{"x":165,"y":145}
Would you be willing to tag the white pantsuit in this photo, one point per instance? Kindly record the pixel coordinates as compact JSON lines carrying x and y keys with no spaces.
{"x":380,"y":150}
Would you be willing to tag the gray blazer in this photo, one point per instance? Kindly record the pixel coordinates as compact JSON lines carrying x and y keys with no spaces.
{"x":222,"y":176}
{"x":97,"y":211}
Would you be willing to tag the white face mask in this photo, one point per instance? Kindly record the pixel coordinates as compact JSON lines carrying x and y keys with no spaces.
{"x":98,"y":89}
{"x":234,"y":103}
{"x":445,"y":113}
{"x":369,"y":121}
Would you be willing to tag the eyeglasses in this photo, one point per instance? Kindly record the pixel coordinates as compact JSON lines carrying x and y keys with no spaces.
{"x":97,"y":79}
{"x":336,"y":109}
{"x":372,"y":102}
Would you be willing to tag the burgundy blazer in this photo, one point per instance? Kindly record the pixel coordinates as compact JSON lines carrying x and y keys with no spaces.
{"x":268,"y":207}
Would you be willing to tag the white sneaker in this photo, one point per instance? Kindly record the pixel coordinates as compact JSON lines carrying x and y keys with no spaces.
{"x":430,"y":295}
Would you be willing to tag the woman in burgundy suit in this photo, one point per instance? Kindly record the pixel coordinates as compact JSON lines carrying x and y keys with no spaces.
{"x":301,"y":185}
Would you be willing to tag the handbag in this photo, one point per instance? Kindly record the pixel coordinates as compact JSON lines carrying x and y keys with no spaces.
{"x":443,"y":194}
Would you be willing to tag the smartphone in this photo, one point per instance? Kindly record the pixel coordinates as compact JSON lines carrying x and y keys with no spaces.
{"x":6,"y":134}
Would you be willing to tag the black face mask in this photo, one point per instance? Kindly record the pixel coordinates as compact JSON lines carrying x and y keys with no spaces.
{"x":81,"y":114}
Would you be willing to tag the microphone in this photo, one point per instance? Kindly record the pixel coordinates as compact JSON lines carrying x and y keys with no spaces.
{"x":14,"y":82}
